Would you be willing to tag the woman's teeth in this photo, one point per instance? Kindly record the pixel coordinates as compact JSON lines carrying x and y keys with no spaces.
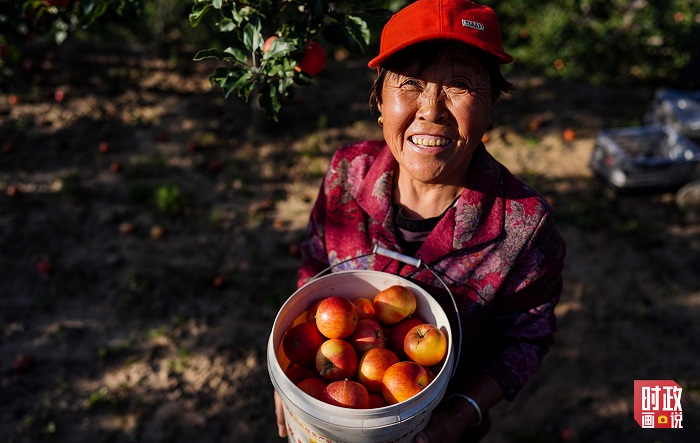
{"x":430,"y":142}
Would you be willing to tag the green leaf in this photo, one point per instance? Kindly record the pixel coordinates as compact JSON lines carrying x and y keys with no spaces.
{"x":198,"y":11}
{"x":236,"y":80}
{"x":252,"y":37}
{"x":269,"y":100}
{"x":279,"y":48}
{"x":359,"y":30}
{"x":92,"y":12}
{"x":209,"y":53}
{"x":238,"y":52}
{"x":217,"y":4}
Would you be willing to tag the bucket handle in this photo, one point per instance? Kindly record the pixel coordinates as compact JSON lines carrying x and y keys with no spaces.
{"x":416,"y":263}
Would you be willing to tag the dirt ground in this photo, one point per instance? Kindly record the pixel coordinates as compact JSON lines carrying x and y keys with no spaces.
{"x":134,"y":338}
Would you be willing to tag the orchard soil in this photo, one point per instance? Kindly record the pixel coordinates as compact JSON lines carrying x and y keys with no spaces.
{"x":130,"y":337}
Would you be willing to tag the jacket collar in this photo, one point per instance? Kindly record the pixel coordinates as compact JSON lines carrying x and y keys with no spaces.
{"x":477,"y":218}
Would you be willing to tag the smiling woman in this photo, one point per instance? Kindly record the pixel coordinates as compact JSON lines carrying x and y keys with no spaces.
{"x":430,"y":189}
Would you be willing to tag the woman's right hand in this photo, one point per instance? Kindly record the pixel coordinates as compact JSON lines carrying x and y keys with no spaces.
{"x":279,"y":412}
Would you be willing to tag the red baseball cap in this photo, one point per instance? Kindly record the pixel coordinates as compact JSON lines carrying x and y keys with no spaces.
{"x":460,"y":20}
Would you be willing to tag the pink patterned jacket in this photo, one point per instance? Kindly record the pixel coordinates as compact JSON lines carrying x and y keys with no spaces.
{"x":497,"y":249}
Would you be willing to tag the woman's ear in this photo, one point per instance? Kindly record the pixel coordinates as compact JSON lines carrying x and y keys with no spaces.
{"x":379,"y":106}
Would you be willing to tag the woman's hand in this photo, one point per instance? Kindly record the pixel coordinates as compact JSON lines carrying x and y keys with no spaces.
{"x":447,"y":424}
{"x":279,"y":412}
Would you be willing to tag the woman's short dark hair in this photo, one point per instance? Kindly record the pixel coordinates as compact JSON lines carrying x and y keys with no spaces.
{"x":425,"y":53}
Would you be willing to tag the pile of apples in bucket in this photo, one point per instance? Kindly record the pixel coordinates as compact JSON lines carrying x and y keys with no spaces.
{"x":361,"y":353}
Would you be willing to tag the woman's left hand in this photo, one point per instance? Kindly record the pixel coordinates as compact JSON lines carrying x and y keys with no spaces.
{"x":279,"y":412}
{"x":446,"y":425}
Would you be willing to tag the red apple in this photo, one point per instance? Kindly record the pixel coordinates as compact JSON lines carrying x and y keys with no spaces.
{"x":45,"y":267}
{"x":22,"y":363}
{"x":103,"y":147}
{"x":314,"y":60}
{"x":365,"y":308}
{"x":157,"y":232}
{"x":220,"y":281}
{"x":393,"y":304}
{"x":373,"y":365}
{"x":368,"y":334}
{"x":59,"y":95}
{"x":347,"y":394}
{"x":402,"y":381}
{"x":301,"y":342}
{"x":376,"y":401}
{"x":296,"y":373}
{"x":311,"y":311}
{"x":13,"y":191}
{"x":397,"y":335}
{"x":425,"y":344}
{"x":336,"y":359}
{"x":336,"y":317}
{"x":13,"y":100}
{"x":127,"y":228}
{"x":268,"y":42}
{"x":568,"y":135}
{"x":115,"y":166}
{"x":313,"y":386}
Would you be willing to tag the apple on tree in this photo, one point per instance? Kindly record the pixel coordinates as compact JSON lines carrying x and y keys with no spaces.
{"x":314,"y":60}
{"x":425,"y":344}
{"x":393,"y":304}
{"x":346,"y":393}
{"x":336,"y":360}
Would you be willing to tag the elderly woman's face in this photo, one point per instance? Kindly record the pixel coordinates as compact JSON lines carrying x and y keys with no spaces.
{"x":434,"y":119}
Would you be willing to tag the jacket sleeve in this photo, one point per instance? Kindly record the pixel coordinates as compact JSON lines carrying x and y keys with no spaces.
{"x":314,"y":257}
{"x":523,"y":319}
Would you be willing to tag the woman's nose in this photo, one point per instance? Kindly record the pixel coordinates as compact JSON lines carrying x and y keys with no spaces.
{"x":432,"y":103}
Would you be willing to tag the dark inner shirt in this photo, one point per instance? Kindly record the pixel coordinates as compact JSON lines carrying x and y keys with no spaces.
{"x":411,"y":232}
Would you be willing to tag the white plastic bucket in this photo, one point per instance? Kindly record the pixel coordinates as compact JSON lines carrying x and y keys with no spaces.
{"x":312,"y":421}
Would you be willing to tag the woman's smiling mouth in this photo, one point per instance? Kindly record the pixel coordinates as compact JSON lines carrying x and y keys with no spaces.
{"x":428,"y":141}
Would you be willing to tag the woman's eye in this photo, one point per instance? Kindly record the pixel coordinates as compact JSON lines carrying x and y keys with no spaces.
{"x":461,"y":84}
{"x":410,"y":82}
